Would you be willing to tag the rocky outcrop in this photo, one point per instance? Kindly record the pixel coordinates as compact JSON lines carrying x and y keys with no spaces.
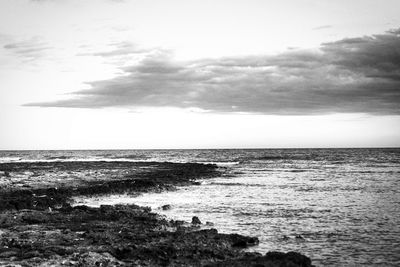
{"x":38,"y":191}
{"x":38,"y":227}
{"x":123,"y":235}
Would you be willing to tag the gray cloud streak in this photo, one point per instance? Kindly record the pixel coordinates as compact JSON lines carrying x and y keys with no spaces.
{"x":28,"y":50}
{"x":119,"y":49}
{"x":347,"y":76}
{"x":323,"y":27}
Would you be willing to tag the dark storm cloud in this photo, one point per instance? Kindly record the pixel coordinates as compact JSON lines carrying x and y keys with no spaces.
{"x":350,"y":75}
{"x":377,"y":56}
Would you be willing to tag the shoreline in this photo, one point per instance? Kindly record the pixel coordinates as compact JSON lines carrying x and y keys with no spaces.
{"x":38,"y":226}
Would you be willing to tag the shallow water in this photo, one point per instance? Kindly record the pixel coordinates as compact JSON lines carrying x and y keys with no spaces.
{"x":344,"y":203}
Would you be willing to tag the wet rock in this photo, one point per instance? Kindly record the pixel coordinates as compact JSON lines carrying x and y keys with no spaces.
{"x":9,"y":253}
{"x":119,"y":235}
{"x":122,"y":234}
{"x":330,"y":235}
{"x":271,"y":259}
{"x":166,"y":207}
{"x":196,"y":220}
{"x":239,"y":241}
{"x":35,"y":217}
{"x":94,"y":259}
{"x":295,"y":258}
{"x":31,"y":254}
{"x":209,"y":223}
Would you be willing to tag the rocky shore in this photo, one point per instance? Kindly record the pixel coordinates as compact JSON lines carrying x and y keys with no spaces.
{"x":39,"y":227}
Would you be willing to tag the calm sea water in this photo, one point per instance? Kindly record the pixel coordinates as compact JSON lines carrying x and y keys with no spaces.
{"x":344,"y":203}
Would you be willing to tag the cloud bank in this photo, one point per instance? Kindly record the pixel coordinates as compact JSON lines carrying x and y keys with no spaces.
{"x":347,"y":76}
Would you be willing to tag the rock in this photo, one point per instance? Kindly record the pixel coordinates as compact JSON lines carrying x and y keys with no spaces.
{"x":240,"y":244}
{"x":271,"y":259}
{"x":196,"y":220}
{"x":31,"y":254}
{"x":209,"y":223}
{"x":166,"y":207}
{"x":292,"y":257}
{"x":239,"y":241}
{"x":35,"y":217}
{"x":331,"y":235}
{"x":117,"y":235}
{"x":8,"y":254}
{"x":98,"y":259}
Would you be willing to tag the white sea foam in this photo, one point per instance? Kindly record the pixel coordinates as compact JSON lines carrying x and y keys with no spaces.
{"x":9,"y":159}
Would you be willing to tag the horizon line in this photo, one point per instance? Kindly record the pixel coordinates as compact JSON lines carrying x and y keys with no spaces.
{"x":249,"y":148}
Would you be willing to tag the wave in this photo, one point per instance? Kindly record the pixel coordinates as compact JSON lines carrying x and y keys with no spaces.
{"x":281,"y":158}
{"x":58,"y":157}
{"x":236,"y":184}
{"x":72,"y":159}
{"x":334,"y":159}
{"x":133,"y":156}
{"x":9,"y":159}
{"x":267,"y":157}
{"x":282,"y":170}
{"x":219,"y":163}
{"x":297,"y":170}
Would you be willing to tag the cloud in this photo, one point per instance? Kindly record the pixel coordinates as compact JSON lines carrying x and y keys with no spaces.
{"x":323,"y":27}
{"x":31,"y":49}
{"x":347,"y":76}
{"x":118,"y":49}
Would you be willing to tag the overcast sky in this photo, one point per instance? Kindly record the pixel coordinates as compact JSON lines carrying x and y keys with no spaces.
{"x":199,"y":74}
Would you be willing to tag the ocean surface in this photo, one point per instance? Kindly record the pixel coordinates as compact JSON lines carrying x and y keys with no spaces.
{"x":340,"y":207}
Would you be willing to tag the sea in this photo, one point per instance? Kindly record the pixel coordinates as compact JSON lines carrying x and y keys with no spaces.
{"x":340,"y":207}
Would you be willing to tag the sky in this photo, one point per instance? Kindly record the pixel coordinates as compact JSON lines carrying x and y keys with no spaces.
{"x":160,"y":74}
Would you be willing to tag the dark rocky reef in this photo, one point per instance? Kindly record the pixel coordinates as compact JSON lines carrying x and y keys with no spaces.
{"x":38,"y":226}
{"x":38,"y":190}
